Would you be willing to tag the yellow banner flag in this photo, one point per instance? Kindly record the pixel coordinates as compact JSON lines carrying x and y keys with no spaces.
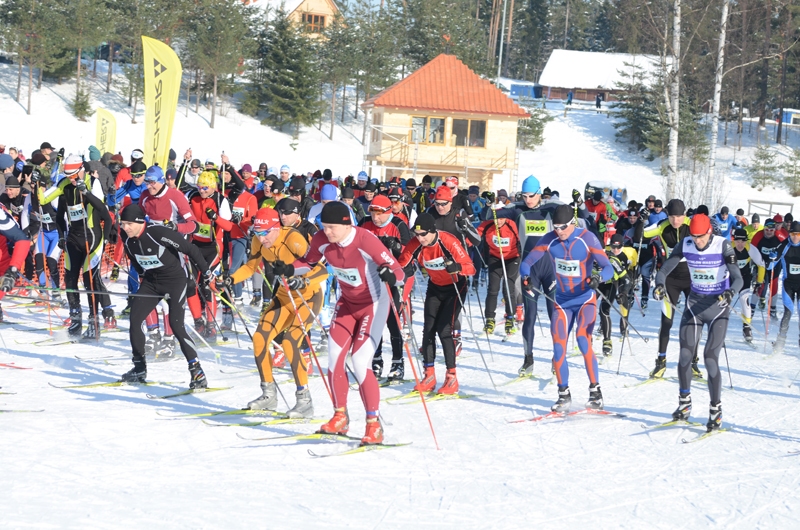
{"x":162,"y":85}
{"x":106,"y":141}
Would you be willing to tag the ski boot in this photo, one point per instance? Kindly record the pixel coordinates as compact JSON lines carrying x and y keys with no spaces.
{"x":227,"y":319}
{"x":762,"y":303}
{"x":510,"y":329}
{"x":397,"y":372}
{"x":126,"y":313}
{"x":457,"y":341}
{"x":773,"y":312}
{"x":303,"y":407}
{"x":450,"y":385}
{"x":278,"y":357}
{"x":684,"y":408}
{"x":75,"y":323}
{"x":564,"y":400}
{"x":198,"y":377}
{"x":377,"y":367}
{"x":200,"y":326}
{"x":714,"y":417}
{"x":58,"y":300}
{"x":595,"y":397}
{"x":644,"y":304}
{"x":661,"y":367}
{"x":526,"y":370}
{"x":152,"y":341}
{"x":338,"y":424}
{"x":268,"y":400}
{"x":608,"y":347}
{"x":238,"y":302}
{"x":374,"y":433}
{"x":108,"y":317}
{"x":748,"y":332}
{"x":428,"y":382}
{"x":489,"y":327}
{"x":136,"y":375}
{"x":256,"y":300}
{"x":264,"y":307}
{"x":1,"y":315}
{"x":114,"y":273}
{"x":696,"y":373}
{"x":166,"y":347}
{"x":779,"y":344}
{"x":91,"y":332}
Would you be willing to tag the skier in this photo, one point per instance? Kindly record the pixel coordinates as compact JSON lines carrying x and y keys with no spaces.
{"x":754,"y":227}
{"x":715,"y":280}
{"x":501,"y":239}
{"x":155,"y":251}
{"x":724,"y":222}
{"x":46,"y":249}
{"x":14,"y":247}
{"x":573,"y":252}
{"x":670,"y":233}
{"x":618,"y":288}
{"x":360,"y":263}
{"x":789,"y":258}
{"x":764,"y":252}
{"x":634,"y":237}
{"x":741,"y":249}
{"x":84,"y":244}
{"x":446,"y":261}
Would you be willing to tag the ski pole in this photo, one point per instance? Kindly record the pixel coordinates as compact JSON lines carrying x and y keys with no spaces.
{"x":190,"y":328}
{"x":624,"y":318}
{"x":474,"y":336}
{"x":166,"y":297}
{"x":725,"y":348}
{"x":509,"y":300}
{"x":411,"y":335}
{"x":622,"y":350}
{"x":413,"y":369}
{"x":91,"y":271}
{"x":244,"y":323}
{"x":480,"y":307}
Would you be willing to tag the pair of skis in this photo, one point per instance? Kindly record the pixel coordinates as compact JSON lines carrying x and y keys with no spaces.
{"x":150,"y":396}
{"x":324,"y":437}
{"x":686,"y":423}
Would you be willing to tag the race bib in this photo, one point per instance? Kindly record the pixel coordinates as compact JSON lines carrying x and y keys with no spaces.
{"x":723,"y":227}
{"x":535,"y":228}
{"x":568,"y":267}
{"x":742,"y":263}
{"x":240,"y":211}
{"x":204,"y":230}
{"x":501,"y":241}
{"x":348,"y":276}
{"x":149,"y":262}
{"x":436,"y":264}
{"x":704,"y":276}
{"x":794,"y":269}
{"x":45,"y":218}
{"x":76,"y":213}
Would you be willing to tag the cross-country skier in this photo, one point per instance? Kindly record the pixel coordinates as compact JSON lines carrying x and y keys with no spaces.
{"x":618,"y":288}
{"x":361,"y":264}
{"x":573,"y":252}
{"x":156,"y":252}
{"x":741,"y":249}
{"x":789,"y":258}
{"x":764,"y":251}
{"x":715,"y":280}
{"x":14,"y":247}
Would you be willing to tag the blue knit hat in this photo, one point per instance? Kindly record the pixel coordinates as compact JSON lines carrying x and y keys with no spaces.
{"x":154,"y":174}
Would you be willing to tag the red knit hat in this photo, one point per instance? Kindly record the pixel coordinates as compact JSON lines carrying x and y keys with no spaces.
{"x":778,"y":218}
{"x":443,"y":193}
{"x":72,"y":165}
{"x":266,"y":219}
{"x":380,"y":203}
{"x":700,"y":225}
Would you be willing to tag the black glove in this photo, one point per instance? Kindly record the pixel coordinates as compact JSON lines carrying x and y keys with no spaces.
{"x":453,"y":267}
{"x":296,"y":283}
{"x":170,"y":225}
{"x":593,"y":281}
{"x":463,"y":223}
{"x":211,"y":214}
{"x":236,"y":217}
{"x":223,"y":282}
{"x":726,"y":297}
{"x":80,"y":185}
{"x":576,"y":196}
{"x":35,"y":176}
{"x":62,"y":243}
{"x":757,"y":287}
{"x":644,"y":215}
{"x":9,"y":279}
{"x":280,"y":268}
{"x":526,"y":283}
{"x":659,"y":292}
{"x":61,"y":152}
{"x":387,"y":275}
{"x":392,"y":243}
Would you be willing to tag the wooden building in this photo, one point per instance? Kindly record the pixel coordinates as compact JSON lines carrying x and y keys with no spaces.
{"x":444,"y":120}
{"x":311,"y":15}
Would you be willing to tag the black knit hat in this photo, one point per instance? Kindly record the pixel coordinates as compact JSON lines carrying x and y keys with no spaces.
{"x":426,"y":222}
{"x":347,"y":193}
{"x":563,"y":214}
{"x":287,"y":205}
{"x":138,"y":167}
{"x":676,"y":207}
{"x":132,"y":213}
{"x":336,"y":213}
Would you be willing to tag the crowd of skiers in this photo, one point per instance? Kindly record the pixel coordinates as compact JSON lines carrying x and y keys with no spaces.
{"x":346,"y":254}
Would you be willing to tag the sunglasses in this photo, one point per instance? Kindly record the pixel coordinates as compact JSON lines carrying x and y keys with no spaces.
{"x":528,"y":195}
{"x":695,"y":236}
{"x":204,"y":188}
{"x":616,"y":247}
{"x":137,"y":175}
{"x":441,"y":204}
{"x":561,"y":228}
{"x":422,"y":234}
{"x":378,"y":209}
{"x":260,"y":233}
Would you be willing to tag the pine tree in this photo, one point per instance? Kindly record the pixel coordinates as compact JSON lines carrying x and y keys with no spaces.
{"x":337,"y":59}
{"x":791,"y":173}
{"x":763,"y":169}
{"x":530,"y":132}
{"x":635,"y":112}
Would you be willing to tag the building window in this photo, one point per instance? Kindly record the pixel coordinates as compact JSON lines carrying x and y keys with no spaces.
{"x":427,"y":130}
{"x":472,"y":130}
{"x":377,"y":121}
{"x":313,"y":23}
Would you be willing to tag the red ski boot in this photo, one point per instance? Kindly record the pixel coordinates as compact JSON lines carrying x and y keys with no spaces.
{"x":450,"y":385}
{"x":374,"y":432}
{"x":339,"y":424}
{"x":428,"y":382}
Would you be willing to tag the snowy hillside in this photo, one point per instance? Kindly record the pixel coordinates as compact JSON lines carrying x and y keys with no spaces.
{"x":110,"y":457}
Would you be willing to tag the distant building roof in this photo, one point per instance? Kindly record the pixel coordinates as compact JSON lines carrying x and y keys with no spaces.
{"x":446,"y":84}
{"x":289,"y":6}
{"x":592,"y":70}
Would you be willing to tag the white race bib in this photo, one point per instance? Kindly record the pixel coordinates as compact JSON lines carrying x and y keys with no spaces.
{"x":742,"y":263}
{"x":349,"y":276}
{"x":568,"y":267}
{"x":76,"y":212}
{"x":45,"y":218}
{"x":436,"y":264}
{"x":238,"y":210}
{"x":723,"y":227}
{"x":794,"y":269}
{"x":704,"y":276}
{"x":149,"y":262}
{"x":501,"y":241}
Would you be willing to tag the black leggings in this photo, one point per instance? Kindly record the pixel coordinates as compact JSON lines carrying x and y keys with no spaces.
{"x":703,"y":310}
{"x":74,"y":262}
{"x":674,"y":289}
{"x":143,"y":306}
{"x":498,"y":284}
{"x":442,"y":309}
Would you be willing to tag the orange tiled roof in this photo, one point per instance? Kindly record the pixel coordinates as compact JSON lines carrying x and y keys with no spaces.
{"x":447,"y":85}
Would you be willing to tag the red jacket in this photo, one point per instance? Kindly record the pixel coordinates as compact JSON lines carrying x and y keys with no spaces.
{"x":433,"y":258}
{"x":509,"y":239}
{"x":169,"y":205}
{"x":246,"y":205}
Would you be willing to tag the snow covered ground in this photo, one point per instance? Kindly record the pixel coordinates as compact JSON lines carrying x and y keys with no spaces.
{"x":110,"y":458}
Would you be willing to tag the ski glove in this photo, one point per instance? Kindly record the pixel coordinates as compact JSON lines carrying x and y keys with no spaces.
{"x":35,"y":176}
{"x":392,"y":243}
{"x":62,"y":243}
{"x":211,"y":214}
{"x":80,"y":185}
{"x":9,"y":279}
{"x":726,"y":297}
{"x":576,"y":196}
{"x":387,"y":275}
{"x":296,"y":283}
{"x":593,"y":281}
{"x":280,"y":268}
{"x":453,"y":267}
{"x":659,"y":292}
{"x":526,"y":283}
{"x":223,"y":282}
{"x":171,"y":225}
{"x":463,"y":223}
{"x":61,"y":153}
{"x":236,"y":217}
